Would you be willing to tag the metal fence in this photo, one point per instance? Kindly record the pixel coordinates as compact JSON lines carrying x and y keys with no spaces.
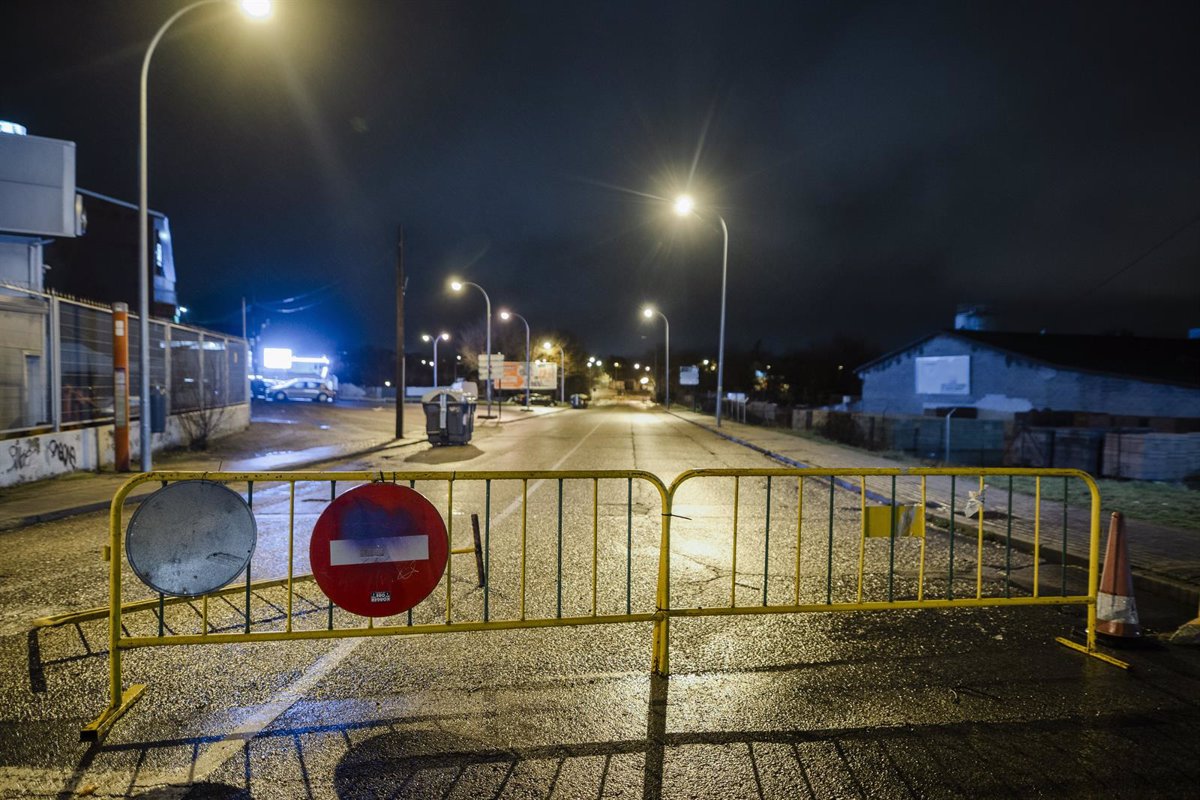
{"x":56,"y":368}
{"x":572,"y":548}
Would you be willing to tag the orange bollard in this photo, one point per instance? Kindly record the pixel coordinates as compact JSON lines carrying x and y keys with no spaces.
{"x":1116,"y":610}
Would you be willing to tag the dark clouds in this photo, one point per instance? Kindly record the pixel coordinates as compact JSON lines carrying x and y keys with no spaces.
{"x":877,"y":163}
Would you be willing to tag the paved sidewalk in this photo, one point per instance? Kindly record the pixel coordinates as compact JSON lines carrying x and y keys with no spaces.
{"x":1164,"y":560}
{"x":85,"y":492}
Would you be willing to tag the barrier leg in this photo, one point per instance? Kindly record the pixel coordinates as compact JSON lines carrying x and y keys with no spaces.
{"x":119,"y":698}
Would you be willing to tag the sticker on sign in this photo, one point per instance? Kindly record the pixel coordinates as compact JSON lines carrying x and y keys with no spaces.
{"x":376,"y":551}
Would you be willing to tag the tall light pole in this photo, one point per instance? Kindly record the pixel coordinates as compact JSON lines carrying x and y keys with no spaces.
{"x":648,"y":312}
{"x":506,"y":316}
{"x":562,"y":371}
{"x":685,"y":206}
{"x":457,"y":286}
{"x":255,"y":9}
{"x":444,"y":337}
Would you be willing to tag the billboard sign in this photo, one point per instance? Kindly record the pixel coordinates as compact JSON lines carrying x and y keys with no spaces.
{"x":943,"y":375}
{"x":689,"y":376}
{"x":511,"y":375}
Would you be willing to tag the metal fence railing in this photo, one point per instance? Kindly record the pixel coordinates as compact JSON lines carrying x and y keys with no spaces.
{"x":575,"y":548}
{"x":56,"y":366}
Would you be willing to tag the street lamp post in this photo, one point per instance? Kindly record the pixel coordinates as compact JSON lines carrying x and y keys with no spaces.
{"x":507,"y":315}
{"x":256,"y":9}
{"x":444,"y":337}
{"x":457,"y":286}
{"x":685,"y":206}
{"x":562,"y":372}
{"x":648,"y":312}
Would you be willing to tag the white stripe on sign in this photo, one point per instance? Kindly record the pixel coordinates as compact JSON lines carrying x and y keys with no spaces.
{"x":344,"y":552}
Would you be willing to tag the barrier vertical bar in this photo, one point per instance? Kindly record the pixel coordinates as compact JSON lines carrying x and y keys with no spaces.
{"x":767,"y":542}
{"x":558,"y":612}
{"x":487,"y":547}
{"x":160,"y":615}
{"x":115,"y":689}
{"x":1008,"y":544}
{"x":250,"y":503}
{"x":629,"y":546}
{"x":450,"y":544}
{"x":204,"y":614}
{"x":329,"y":605}
{"x":291,"y":548}
{"x":924,"y":536}
{"x":595,"y":536}
{"x":660,"y":660}
{"x":799,"y":530}
{"x":829,"y":552}
{"x":862,"y":533}
{"x":950,"y":579}
{"x":1066,"y":490}
{"x":733,"y":573}
{"x":524,"y":529}
{"x":1037,"y":531}
{"x":892,"y":543}
{"x":1093,"y":565}
{"x":979,"y":546}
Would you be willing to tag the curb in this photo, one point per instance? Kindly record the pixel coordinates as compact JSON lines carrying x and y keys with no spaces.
{"x":1154,"y":582}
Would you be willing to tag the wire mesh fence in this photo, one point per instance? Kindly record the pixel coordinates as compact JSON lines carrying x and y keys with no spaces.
{"x":56,"y":365}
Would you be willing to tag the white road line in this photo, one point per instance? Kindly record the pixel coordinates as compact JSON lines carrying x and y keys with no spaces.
{"x":217,"y":753}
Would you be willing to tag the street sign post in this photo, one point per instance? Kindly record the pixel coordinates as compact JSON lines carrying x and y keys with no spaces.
{"x":379,"y":549}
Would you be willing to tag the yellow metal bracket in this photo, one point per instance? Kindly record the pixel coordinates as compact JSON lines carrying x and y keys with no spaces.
{"x":1116,"y":662}
{"x":100,"y":725}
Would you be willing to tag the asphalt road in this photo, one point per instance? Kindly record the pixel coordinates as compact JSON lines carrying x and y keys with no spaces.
{"x":896,"y":703}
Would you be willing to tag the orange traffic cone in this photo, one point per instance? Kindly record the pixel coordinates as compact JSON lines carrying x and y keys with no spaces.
{"x":1116,"y":610}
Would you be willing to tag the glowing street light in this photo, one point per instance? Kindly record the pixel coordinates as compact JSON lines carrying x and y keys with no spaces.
{"x":444,"y":337}
{"x":255,"y":9}
{"x":648,"y":312}
{"x":562,"y":373}
{"x":457,"y":286}
{"x":506,"y":316}
{"x":685,"y":206}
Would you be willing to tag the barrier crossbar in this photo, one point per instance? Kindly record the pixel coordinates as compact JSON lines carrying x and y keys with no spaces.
{"x":812,"y":540}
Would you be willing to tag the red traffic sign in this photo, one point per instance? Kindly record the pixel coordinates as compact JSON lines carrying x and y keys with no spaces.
{"x":379,"y":549}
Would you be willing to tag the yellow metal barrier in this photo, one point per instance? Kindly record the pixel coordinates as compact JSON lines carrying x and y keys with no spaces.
{"x":431,"y":483}
{"x":855,"y":481}
{"x":901,"y":503}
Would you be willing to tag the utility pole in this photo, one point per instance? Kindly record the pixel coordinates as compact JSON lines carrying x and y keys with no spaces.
{"x":400,"y":389}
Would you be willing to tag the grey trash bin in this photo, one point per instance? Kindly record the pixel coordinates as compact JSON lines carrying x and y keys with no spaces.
{"x":449,"y":416}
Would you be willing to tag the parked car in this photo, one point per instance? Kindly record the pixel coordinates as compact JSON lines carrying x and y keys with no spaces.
{"x":579,"y":400}
{"x":303,"y":389}
{"x":541,"y":399}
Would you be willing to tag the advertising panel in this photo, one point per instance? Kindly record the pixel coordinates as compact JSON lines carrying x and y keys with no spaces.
{"x":943,"y":375}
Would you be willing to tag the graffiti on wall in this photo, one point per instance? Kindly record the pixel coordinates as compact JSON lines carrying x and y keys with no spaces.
{"x":20,"y":454}
{"x":64,"y":452}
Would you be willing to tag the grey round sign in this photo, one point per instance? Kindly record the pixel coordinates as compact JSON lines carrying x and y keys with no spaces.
{"x":190,"y":538}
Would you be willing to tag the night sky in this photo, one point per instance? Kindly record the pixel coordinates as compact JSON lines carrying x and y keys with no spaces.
{"x":877,"y":163}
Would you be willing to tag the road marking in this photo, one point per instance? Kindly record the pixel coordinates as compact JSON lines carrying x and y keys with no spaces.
{"x":217,"y":753}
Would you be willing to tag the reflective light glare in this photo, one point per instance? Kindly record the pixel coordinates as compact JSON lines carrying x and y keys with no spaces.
{"x":647,"y":369}
{"x":387,"y":384}
{"x":424,"y":337}
{"x":644,"y":381}
{"x":277,"y":358}
{"x":547,"y":346}
{"x":705,"y":362}
{"x":256,"y":9}
{"x":648,"y":312}
{"x":684,"y":205}
{"x":505,"y":315}
{"x":637,"y":365}
{"x":445,"y":337}
{"x":456,"y":286}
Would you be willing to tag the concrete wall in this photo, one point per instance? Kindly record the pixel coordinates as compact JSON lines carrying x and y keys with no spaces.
{"x":24,"y":367}
{"x":47,"y":455}
{"x":1003,"y":385}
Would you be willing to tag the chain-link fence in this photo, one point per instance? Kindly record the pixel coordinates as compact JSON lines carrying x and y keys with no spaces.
{"x":56,"y":367}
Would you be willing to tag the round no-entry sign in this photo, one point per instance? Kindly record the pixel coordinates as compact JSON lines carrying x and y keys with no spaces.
{"x":379,"y":549}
